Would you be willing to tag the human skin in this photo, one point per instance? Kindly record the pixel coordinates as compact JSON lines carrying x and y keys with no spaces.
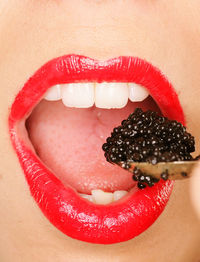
{"x":165,"y":33}
{"x":194,"y":191}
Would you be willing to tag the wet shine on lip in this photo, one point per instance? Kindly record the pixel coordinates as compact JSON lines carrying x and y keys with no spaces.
{"x":74,"y":216}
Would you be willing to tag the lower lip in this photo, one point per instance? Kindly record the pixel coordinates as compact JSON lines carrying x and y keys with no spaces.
{"x":81,"y":219}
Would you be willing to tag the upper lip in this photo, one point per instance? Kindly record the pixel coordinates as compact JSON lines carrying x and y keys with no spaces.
{"x":74,"y":68}
{"x":76,"y":217}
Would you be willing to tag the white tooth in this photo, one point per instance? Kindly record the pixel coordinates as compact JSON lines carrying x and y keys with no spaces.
{"x":137,"y":93}
{"x":79,"y":95}
{"x":111,"y":95}
{"x":119,"y":194}
{"x":53,"y":94}
{"x":88,"y":197}
{"x":101,"y":197}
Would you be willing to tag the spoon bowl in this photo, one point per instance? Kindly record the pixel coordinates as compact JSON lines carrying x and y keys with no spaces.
{"x":176,"y":170}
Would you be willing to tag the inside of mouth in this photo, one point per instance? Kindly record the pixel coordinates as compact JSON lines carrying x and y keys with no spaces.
{"x":69,"y":142}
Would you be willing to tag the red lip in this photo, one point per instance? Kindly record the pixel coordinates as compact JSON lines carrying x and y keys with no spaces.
{"x":74,"y":216}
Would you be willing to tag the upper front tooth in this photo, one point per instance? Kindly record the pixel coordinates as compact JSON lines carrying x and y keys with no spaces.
{"x":111,"y":95}
{"x":137,"y":93}
{"x":104,"y":95}
{"x":101,"y":197}
{"x":79,"y":95}
{"x":53,"y":94}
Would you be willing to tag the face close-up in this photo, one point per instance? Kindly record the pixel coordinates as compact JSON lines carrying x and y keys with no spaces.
{"x":71,"y":71}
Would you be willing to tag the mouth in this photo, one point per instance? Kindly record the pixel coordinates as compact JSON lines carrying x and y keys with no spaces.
{"x":58,"y":123}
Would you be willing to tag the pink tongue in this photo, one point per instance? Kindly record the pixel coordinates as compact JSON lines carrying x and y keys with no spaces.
{"x":69,"y":141}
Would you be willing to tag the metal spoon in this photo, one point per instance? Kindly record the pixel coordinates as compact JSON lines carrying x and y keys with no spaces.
{"x":175,"y":170}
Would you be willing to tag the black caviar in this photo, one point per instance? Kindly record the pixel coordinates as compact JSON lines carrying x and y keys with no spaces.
{"x":148,"y":137}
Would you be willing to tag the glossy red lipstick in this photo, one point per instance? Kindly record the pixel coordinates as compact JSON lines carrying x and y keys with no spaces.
{"x":63,"y":207}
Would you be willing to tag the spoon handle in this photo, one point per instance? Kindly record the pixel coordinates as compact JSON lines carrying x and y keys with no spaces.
{"x":167,"y":170}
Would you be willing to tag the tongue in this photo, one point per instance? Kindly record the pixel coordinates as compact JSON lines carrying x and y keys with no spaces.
{"x":69,"y":141}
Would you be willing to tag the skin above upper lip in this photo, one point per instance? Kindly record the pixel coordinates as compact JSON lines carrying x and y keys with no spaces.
{"x":74,"y":216}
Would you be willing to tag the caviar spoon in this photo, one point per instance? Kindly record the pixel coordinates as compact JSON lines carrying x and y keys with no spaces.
{"x":176,"y":170}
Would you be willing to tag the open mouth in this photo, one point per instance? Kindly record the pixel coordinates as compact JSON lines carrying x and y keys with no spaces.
{"x":58,"y":123}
